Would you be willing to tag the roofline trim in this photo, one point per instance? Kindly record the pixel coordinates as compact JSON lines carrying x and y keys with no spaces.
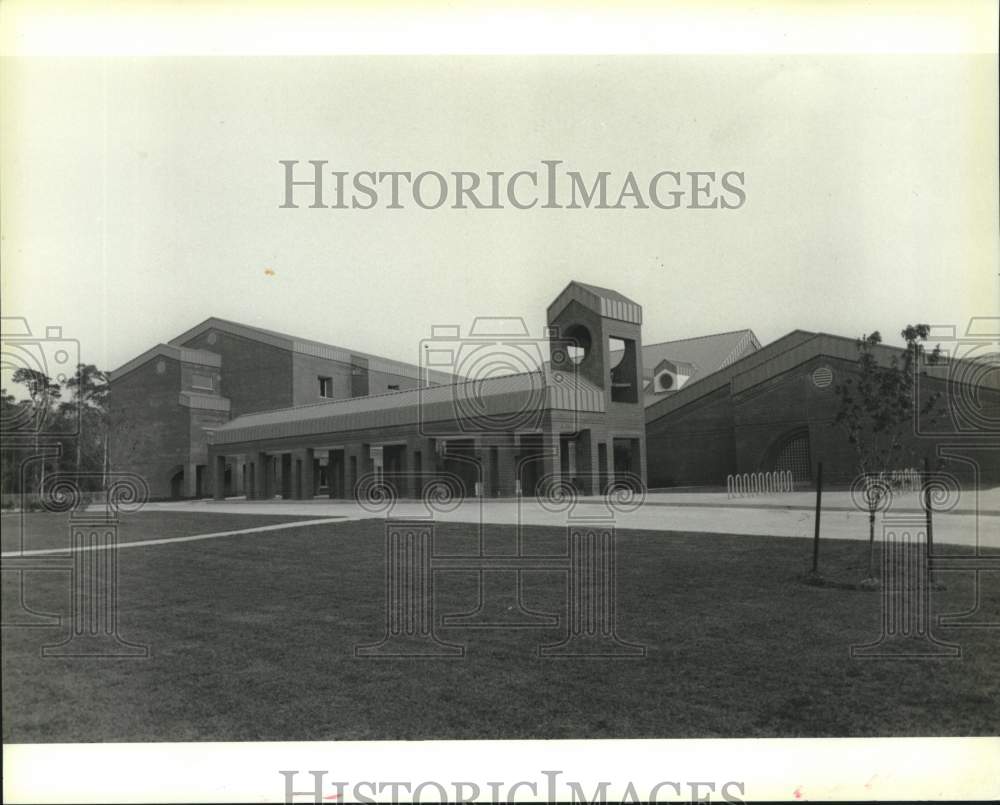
{"x":196,"y":357}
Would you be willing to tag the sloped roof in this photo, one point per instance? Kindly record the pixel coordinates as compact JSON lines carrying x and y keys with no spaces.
{"x":706,"y":353}
{"x":702,"y":355}
{"x":789,"y":351}
{"x":315,"y":348}
{"x":607,"y":303}
{"x":506,"y":398}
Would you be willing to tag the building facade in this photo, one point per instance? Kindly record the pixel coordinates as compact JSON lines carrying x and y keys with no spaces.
{"x":165,"y":401}
{"x":230,"y":410}
{"x":227,"y":409}
{"x":776,"y":407}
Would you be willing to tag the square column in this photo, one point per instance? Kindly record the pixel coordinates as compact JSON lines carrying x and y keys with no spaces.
{"x":190,"y":480}
{"x":588,"y":463}
{"x":250,"y":488}
{"x":550,"y":456}
{"x":262,"y":485}
{"x":304,"y":484}
{"x":418,"y":461}
{"x":286,"y":476}
{"x":219,"y":478}
{"x":334,"y":474}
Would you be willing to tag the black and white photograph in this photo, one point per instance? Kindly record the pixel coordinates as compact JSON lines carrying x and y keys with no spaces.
{"x":484,"y":402}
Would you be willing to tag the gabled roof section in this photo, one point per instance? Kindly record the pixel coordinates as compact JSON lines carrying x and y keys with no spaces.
{"x":603,"y":301}
{"x":198,"y":357}
{"x":512,"y":395}
{"x":706,"y":353}
{"x":783,"y":355}
{"x":707,"y":383}
{"x":317,"y":349}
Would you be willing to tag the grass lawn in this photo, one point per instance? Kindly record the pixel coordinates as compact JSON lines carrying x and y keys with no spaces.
{"x":252,"y":638}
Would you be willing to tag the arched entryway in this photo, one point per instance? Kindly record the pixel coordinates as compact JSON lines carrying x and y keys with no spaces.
{"x":790,"y":453}
{"x":177,"y":482}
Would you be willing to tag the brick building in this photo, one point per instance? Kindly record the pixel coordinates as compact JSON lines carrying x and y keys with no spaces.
{"x":165,"y":401}
{"x":229,"y":409}
{"x":774,"y":409}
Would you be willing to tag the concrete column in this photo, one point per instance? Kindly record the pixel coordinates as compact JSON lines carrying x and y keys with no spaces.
{"x":219,"y":478}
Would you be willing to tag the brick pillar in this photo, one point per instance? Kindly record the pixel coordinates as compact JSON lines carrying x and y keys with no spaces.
{"x":609,"y":460}
{"x":351,"y":479}
{"x":287,"y":490}
{"x":587,"y":461}
{"x":304,"y":483}
{"x":333,"y":475}
{"x":414,"y":471}
{"x":251,"y":480}
{"x":506,"y":480}
{"x":486,"y":480}
{"x":262,"y":484}
{"x":190,"y":480}
{"x":219,"y":478}
{"x":550,"y":455}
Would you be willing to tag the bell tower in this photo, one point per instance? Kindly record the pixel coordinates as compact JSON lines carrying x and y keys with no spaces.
{"x":597,"y":333}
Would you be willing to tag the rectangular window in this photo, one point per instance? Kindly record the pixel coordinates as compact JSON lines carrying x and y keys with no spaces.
{"x":203,"y":382}
{"x":393,"y":387}
{"x":326,"y":387}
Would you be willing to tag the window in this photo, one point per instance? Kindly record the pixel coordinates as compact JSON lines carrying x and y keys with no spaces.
{"x":202,"y":382}
{"x":393,"y":387}
{"x":325,"y":387}
{"x":624,"y":370}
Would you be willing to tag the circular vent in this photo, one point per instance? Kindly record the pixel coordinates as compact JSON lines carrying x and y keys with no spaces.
{"x":665,"y":381}
{"x":161,"y":367}
{"x":212,"y":338}
{"x":822,"y":377}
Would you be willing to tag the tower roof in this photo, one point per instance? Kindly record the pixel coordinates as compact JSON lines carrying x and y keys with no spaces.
{"x":603,"y":301}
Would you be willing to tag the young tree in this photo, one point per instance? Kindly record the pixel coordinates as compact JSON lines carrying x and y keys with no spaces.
{"x":42,"y":392}
{"x":878,"y":408}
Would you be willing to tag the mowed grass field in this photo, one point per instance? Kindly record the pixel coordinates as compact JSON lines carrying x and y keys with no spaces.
{"x":252,"y":638}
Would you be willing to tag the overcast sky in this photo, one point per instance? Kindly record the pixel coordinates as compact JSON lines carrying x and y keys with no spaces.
{"x":142,"y":196}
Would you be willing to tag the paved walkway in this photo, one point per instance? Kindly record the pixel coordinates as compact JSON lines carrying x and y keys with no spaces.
{"x":789,"y":515}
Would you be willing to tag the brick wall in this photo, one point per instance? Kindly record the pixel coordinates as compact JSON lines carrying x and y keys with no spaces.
{"x":150,"y":432}
{"x":255,"y":376}
{"x":720,"y":433}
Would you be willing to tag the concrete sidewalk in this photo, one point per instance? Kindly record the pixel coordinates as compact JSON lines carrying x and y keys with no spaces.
{"x":789,"y":515}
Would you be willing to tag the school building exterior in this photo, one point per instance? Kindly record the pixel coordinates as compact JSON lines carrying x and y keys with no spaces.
{"x":227,"y":409}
